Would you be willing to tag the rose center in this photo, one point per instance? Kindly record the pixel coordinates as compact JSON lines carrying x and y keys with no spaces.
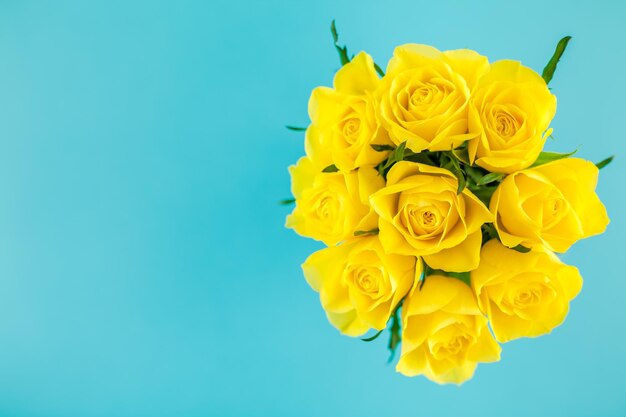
{"x":505,"y":124}
{"x":351,"y":129}
{"x":527,"y":298}
{"x":554,"y":209}
{"x":366,"y":282}
{"x":365,"y":279}
{"x":422,"y":95}
{"x":421,"y":218}
{"x":429,"y":218}
{"x":325,"y":208}
{"x":450,"y":348}
{"x":426,"y":218}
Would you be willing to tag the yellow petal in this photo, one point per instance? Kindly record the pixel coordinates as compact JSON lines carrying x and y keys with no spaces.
{"x":348,"y":323}
{"x":507,"y":327}
{"x":369,"y":182}
{"x":404,"y":169}
{"x":302,"y":176}
{"x":357,"y":76}
{"x":486,"y":349}
{"x":461,"y":258}
{"x":412,"y":55}
{"x":503,"y":273}
{"x":512,"y":71}
{"x":437,"y":293}
{"x":323,"y":271}
{"x":476,"y":212}
{"x":317,"y":149}
{"x":412,"y":362}
{"x":577,"y":179}
{"x":509,"y":88}
{"x":392,"y":240}
{"x":470,"y":64}
{"x":456,"y":375}
{"x":570,"y":279}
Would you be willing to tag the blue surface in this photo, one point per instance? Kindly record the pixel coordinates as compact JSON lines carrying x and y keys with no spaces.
{"x":144,"y":268}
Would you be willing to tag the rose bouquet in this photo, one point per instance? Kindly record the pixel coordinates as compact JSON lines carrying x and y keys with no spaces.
{"x":440,"y":210}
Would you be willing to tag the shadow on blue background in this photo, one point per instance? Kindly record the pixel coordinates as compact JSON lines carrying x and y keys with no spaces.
{"x":144,"y":267}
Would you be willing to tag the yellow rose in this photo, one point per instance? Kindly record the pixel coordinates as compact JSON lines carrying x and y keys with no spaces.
{"x":523,"y":294}
{"x":343,"y":119}
{"x":421,"y":214}
{"x":331,"y":206}
{"x":359,"y":284}
{"x":424,"y":96}
{"x":553,"y":205}
{"x":444,"y":334}
{"x":510,"y":109}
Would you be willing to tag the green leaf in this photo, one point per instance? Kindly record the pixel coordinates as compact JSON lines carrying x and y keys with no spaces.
{"x":545,"y":157}
{"x":379,"y":70}
{"x":382,"y":148}
{"x":461,"y":276}
{"x":489,"y":232}
{"x":396,"y":156}
{"x":296,"y":128}
{"x":452,"y":165}
{"x":287,"y":201}
{"x":423,"y":157}
{"x":475,"y":173}
{"x":491,"y":177}
{"x":341,"y":50}
{"x":395,"y":338}
{"x":331,"y":168}
{"x":484,"y":193}
{"x":548,"y":71}
{"x":398,"y":153}
{"x":381,"y":170}
{"x":453,"y":160}
{"x":333,"y":31}
{"x":462,"y":182}
{"x":422,"y":281}
{"x":366,"y":232}
{"x":459,"y":174}
{"x":462,"y":155}
{"x":522,"y":249}
{"x":369,"y":339}
{"x":605,"y":162}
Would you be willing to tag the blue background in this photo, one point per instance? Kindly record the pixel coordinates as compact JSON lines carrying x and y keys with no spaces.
{"x":144,"y":267}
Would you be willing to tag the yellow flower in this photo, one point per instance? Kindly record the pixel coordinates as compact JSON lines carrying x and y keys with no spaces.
{"x":331,"y":206}
{"x":444,"y":334}
{"x":510,"y":109}
{"x":424,"y":96}
{"x":422,"y":215}
{"x":523,"y":294}
{"x":343,"y":119}
{"x":359,"y":284}
{"x":553,"y":205}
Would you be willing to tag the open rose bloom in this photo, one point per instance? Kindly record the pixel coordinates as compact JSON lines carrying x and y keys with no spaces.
{"x":441,"y":214}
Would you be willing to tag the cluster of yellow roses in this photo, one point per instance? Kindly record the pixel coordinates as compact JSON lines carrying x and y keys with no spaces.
{"x":428,"y":186}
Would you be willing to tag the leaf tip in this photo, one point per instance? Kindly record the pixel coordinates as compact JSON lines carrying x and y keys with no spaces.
{"x":295,"y":128}
{"x":371,"y":338}
{"x":330,"y":168}
{"x":605,"y":162}
{"x":287,"y":201}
